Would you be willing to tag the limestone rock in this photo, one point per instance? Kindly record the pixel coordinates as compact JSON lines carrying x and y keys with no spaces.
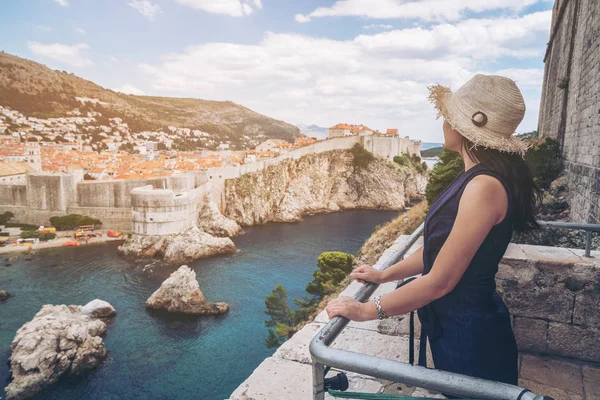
{"x":180,"y":248}
{"x":210,"y":220}
{"x":3,"y":295}
{"x":180,"y":293}
{"x":98,"y":309}
{"x":59,"y":340}
{"x":319,"y":183}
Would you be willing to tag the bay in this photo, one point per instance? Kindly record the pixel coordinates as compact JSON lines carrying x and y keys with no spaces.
{"x":153,"y":356}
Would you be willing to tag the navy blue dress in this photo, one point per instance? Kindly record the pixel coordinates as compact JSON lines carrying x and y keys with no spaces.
{"x":469,"y":329}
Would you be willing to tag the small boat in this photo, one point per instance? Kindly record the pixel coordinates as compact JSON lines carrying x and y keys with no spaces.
{"x":113,"y":233}
{"x":71,"y":243}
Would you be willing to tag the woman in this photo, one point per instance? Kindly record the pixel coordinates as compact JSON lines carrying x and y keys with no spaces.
{"x":467,"y":231}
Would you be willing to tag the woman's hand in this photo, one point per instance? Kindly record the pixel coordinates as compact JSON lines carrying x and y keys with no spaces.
{"x":366,"y":273}
{"x":347,"y":307}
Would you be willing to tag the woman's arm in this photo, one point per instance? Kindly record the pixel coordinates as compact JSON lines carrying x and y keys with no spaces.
{"x":483,"y":204}
{"x":411,"y":265}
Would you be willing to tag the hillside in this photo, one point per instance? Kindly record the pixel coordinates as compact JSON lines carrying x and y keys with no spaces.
{"x":432,"y":152}
{"x":38,"y":91}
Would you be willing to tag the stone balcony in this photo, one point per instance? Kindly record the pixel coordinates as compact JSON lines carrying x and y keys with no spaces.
{"x":554,"y":298}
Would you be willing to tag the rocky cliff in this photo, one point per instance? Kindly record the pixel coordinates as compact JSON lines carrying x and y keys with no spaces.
{"x":317,"y":183}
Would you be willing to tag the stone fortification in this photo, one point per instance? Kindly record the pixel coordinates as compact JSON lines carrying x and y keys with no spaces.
{"x":325,"y":182}
{"x":570,"y":107}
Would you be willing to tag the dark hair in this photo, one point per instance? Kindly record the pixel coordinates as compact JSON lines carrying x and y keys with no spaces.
{"x":525,"y":193}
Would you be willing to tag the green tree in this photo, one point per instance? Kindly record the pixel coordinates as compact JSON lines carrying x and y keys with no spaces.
{"x":362,"y":157}
{"x":282,"y":319}
{"x":443,"y":173}
{"x":5,"y":217}
{"x":72,"y":221}
{"x":334,"y":266}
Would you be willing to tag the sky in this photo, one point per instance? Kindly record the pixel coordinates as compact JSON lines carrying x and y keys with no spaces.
{"x":302,"y":61}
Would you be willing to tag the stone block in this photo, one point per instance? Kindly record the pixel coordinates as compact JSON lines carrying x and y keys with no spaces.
{"x":535,"y":300}
{"x":587,"y":309}
{"x":559,"y":374}
{"x":514,"y":252}
{"x":574,"y":341}
{"x":277,"y":378}
{"x":296,"y":348}
{"x":531,"y":334}
{"x":591,"y":382}
{"x":552,"y":254}
{"x":544,"y":390}
{"x":372,"y":343}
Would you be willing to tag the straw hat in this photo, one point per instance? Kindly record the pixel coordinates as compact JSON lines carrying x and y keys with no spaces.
{"x":486,"y":110}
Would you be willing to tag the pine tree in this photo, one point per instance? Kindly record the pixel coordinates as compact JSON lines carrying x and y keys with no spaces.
{"x":282,"y":319}
{"x":334,"y":266}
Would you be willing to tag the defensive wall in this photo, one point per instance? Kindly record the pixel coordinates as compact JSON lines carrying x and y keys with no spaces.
{"x":570,"y":106}
{"x":552,"y":294}
{"x":162,"y":212}
{"x":156,"y":206}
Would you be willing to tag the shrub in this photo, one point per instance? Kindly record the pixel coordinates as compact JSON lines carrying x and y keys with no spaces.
{"x":402,"y":160}
{"x":5,"y":217}
{"x":424,"y":166}
{"x":362,"y":157}
{"x":72,"y":221}
{"x":29,"y":227}
{"x":334,"y":266}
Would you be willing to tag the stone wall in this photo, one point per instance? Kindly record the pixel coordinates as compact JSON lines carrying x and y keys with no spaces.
{"x":15,"y":195}
{"x":570,"y":107}
{"x":112,"y":193}
{"x":162,"y":211}
{"x":52,"y":192}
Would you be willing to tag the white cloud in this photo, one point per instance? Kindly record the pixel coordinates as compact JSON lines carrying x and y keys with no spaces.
{"x":301,"y":18}
{"x":146,"y":8}
{"x":43,"y":28}
{"x":378,"y":26}
{"x":234,"y":8}
{"x":70,"y":55}
{"x":442,"y":10}
{"x":63,"y":3}
{"x":80,"y":30}
{"x":378,"y":79}
{"x":130,"y":89}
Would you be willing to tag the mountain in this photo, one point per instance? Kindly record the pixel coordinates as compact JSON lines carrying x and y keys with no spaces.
{"x":313,"y":131}
{"x":38,"y":91}
{"x":429,"y":145}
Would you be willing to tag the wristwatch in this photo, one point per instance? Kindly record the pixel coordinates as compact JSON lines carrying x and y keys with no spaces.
{"x":380,"y":312}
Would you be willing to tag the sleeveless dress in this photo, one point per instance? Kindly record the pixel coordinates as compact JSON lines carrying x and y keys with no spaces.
{"x":469,"y":329}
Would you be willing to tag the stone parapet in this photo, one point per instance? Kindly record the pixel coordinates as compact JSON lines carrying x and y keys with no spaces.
{"x":553,"y":295}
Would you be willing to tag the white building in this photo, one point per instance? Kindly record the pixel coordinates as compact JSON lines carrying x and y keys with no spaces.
{"x":14,"y":173}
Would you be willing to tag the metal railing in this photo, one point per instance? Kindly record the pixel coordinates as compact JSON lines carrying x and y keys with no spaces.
{"x":588,"y":228}
{"x":396,"y":371}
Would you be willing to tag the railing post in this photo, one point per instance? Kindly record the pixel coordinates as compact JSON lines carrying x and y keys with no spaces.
{"x":318,"y":377}
{"x":588,"y":243}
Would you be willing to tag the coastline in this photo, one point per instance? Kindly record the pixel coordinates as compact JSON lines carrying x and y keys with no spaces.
{"x":58,"y":242}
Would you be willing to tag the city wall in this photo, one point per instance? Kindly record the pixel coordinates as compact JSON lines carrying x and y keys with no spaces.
{"x":570,"y":106}
{"x":163,"y":212}
{"x":158,"y":205}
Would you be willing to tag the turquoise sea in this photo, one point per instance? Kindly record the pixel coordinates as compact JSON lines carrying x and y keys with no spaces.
{"x":153,"y":356}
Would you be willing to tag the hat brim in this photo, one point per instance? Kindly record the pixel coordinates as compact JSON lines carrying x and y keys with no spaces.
{"x":441,"y":97}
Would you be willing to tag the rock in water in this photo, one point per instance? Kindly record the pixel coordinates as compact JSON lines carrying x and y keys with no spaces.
{"x":180,"y":248}
{"x":99,"y":309}
{"x":180,"y":293}
{"x":59,"y":340}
